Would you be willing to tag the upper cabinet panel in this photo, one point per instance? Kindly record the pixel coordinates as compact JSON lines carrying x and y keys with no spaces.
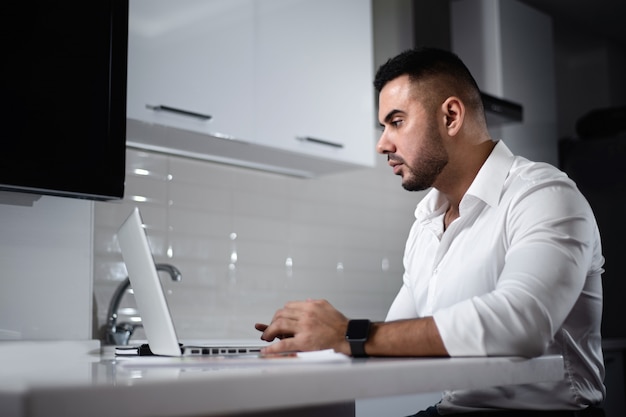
{"x":191,"y":65}
{"x":279,"y":85}
{"x":314,"y":77}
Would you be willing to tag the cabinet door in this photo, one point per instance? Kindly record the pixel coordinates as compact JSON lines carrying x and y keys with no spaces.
{"x":191,"y":65}
{"x":314,"y":78}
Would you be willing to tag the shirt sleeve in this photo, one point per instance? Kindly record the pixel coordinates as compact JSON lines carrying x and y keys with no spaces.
{"x":403,"y":306}
{"x":551,"y":234}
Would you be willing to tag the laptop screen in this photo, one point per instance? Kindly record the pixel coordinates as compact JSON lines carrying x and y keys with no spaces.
{"x":147,"y":289}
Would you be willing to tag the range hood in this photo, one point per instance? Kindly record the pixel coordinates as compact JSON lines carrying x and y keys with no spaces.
{"x":500,"y":111}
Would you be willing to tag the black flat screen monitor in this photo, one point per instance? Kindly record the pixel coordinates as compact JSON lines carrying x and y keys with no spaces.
{"x":63,"y":97}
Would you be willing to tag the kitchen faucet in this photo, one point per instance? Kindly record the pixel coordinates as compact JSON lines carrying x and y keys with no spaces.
{"x":119,"y":334}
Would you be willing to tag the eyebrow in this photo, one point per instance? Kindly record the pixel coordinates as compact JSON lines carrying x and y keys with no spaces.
{"x":390,"y":115}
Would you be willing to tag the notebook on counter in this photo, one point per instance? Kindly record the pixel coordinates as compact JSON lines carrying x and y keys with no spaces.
{"x":151,"y":303}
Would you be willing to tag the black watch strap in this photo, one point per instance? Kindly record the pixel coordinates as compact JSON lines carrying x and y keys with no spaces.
{"x":358,"y":349}
{"x":356,"y":335}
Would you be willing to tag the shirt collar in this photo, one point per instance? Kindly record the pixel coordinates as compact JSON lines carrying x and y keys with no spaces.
{"x":489,"y":181}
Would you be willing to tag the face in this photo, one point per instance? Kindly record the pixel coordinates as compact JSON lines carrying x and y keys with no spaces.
{"x":410,"y":138}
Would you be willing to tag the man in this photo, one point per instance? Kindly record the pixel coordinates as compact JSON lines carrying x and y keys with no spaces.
{"x":504,"y":257}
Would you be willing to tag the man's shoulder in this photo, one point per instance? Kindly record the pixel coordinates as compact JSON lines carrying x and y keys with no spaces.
{"x":525,"y":172}
{"x":543,"y":185}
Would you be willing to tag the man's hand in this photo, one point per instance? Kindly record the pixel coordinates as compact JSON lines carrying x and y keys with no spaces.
{"x":305,"y":326}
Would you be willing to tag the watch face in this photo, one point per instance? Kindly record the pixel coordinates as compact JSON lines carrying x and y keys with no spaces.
{"x":358,"y":329}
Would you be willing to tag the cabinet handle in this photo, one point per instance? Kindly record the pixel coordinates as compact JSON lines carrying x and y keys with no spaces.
{"x":179,"y":111}
{"x":319,"y":141}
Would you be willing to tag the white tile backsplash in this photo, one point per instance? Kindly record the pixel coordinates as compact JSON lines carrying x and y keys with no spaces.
{"x":246,"y":241}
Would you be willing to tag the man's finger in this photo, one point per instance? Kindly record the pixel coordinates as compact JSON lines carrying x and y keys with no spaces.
{"x":285,"y":345}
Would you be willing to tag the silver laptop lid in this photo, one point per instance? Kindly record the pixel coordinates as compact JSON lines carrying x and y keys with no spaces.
{"x":144,"y":279}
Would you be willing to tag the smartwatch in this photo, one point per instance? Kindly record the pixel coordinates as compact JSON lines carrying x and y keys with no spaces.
{"x":357,"y":334}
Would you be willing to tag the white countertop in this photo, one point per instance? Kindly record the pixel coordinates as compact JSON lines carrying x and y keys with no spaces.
{"x":74,"y":379}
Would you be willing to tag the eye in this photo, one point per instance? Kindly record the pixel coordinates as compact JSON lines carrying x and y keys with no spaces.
{"x":396,"y":122}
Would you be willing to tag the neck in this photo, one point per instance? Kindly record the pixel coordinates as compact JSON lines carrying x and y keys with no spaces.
{"x":461,"y":171}
{"x":451,"y":214}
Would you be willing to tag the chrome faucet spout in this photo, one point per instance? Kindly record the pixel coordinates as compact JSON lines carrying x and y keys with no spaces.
{"x":119,"y":334}
{"x":170,"y":269}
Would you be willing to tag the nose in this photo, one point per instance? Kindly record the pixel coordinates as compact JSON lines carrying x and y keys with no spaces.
{"x":385,"y":145}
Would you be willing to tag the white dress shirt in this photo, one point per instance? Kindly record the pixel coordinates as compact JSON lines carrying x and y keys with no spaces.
{"x":517,"y":273}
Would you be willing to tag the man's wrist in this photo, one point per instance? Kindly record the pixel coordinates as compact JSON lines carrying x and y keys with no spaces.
{"x":357,"y":334}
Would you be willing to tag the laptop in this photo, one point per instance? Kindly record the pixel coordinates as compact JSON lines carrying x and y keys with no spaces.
{"x":151,"y":303}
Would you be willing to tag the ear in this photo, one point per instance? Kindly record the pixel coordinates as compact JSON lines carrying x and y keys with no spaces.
{"x":454,"y":113}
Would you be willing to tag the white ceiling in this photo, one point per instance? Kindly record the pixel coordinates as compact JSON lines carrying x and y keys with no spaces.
{"x":605,"y":18}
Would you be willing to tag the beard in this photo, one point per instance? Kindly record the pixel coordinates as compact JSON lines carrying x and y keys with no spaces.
{"x":424,"y":170}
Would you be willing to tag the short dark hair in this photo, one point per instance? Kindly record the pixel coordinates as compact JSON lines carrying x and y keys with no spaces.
{"x":430,"y":63}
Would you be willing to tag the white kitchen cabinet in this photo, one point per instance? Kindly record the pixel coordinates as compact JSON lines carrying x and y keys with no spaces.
{"x":191,"y":65}
{"x":314,"y":77}
{"x":287,"y":83}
